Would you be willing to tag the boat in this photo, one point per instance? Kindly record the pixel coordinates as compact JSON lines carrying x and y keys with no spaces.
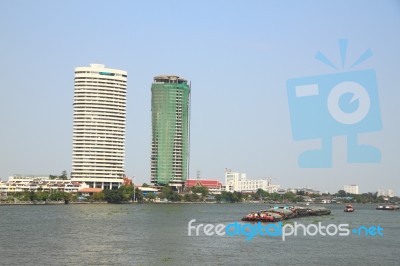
{"x":285,"y":213}
{"x":349,"y":208}
{"x":262,"y":216}
{"x":278,"y":213}
{"x":388,"y":207}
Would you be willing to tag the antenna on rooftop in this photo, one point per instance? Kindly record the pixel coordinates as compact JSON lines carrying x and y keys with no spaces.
{"x":198,"y":173}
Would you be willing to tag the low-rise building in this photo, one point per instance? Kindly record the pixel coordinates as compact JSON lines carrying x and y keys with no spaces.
{"x":235,"y":181}
{"x":213,"y":186}
{"x":21,"y":183}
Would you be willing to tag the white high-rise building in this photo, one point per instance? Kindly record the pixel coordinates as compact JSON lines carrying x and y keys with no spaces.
{"x":98,"y":154}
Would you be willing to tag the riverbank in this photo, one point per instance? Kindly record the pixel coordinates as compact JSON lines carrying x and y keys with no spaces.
{"x":47,"y":203}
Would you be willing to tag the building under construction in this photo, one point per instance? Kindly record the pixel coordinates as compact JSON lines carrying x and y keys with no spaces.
{"x":170,"y":106}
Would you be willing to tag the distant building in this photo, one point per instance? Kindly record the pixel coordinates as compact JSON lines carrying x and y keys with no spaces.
{"x":238,"y":182}
{"x":98,"y":149}
{"x":148,"y":190}
{"x":170,"y":110}
{"x":386,"y":192}
{"x":213,"y":186}
{"x":351,"y":189}
{"x":21,"y":183}
{"x":303,"y":191}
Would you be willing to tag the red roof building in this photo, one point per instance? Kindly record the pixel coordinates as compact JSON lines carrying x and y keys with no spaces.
{"x":214,"y":186}
{"x":90,"y":190}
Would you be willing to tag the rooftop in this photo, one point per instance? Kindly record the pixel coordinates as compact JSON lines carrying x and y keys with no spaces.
{"x":169,"y":79}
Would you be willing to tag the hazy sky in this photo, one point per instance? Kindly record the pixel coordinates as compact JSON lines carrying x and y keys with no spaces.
{"x":238,"y":56}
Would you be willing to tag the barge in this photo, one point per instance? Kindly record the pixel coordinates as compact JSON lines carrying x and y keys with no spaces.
{"x":279,"y":213}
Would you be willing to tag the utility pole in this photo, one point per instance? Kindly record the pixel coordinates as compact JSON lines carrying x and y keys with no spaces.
{"x":134,"y":195}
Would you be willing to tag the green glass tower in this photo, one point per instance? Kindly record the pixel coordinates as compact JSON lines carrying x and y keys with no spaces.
{"x":170,"y":107}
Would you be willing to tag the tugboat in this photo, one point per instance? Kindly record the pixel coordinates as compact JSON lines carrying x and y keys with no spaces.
{"x":262,"y":216}
{"x":349,"y":208}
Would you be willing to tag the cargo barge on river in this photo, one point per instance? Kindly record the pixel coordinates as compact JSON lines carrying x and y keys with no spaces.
{"x":279,"y":213}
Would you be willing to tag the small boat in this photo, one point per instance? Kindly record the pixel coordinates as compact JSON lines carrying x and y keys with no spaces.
{"x":349,"y":208}
{"x":388,"y":207}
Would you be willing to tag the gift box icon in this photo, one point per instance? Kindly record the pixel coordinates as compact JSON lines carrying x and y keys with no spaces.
{"x":325,"y":106}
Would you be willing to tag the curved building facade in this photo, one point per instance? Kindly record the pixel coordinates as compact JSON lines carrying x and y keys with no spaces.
{"x":98,"y":155}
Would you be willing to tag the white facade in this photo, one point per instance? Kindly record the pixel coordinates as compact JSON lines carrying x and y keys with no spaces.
{"x":20,"y":183}
{"x":352,"y":189}
{"x":238,"y":182}
{"x":386,"y":192}
{"x":99,"y":125}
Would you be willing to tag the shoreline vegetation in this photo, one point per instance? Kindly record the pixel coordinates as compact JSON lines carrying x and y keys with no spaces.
{"x":127,"y":194}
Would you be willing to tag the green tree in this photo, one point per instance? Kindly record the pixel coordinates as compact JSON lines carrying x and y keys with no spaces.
{"x":200,"y":189}
{"x":150,"y":197}
{"x":218,"y":198}
{"x":231,"y":197}
{"x":138,"y":195}
{"x":112,"y":196}
{"x":290,"y":196}
{"x":56,"y":195}
{"x":32,"y":196}
{"x":342,"y":193}
{"x":63,"y":175}
{"x":193,"y":197}
{"x":98,"y":196}
{"x":166,"y":192}
{"x":126,"y":192}
{"x":175,"y":197}
{"x":42,"y":195}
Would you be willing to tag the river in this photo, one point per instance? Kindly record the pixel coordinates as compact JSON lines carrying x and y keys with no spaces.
{"x":157,"y":234}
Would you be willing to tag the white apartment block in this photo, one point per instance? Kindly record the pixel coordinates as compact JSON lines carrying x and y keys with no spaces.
{"x":238,"y":182}
{"x":351,"y":189}
{"x":98,"y":154}
{"x":386,"y":192}
{"x":21,"y":183}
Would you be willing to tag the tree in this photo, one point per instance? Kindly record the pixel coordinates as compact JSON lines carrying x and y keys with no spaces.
{"x":150,"y":196}
{"x":126,"y":192}
{"x":138,"y":195}
{"x":218,"y":198}
{"x":290,"y":196}
{"x":42,"y":195}
{"x":57,"y":195}
{"x":169,"y":194}
{"x":112,"y":196}
{"x":191,"y":197}
{"x":175,"y":197}
{"x":32,"y":196}
{"x":231,"y":197}
{"x":63,"y":175}
{"x":166,"y":192}
{"x":200,"y":189}
{"x":341,"y":193}
{"x":98,"y":196}
{"x":145,"y":185}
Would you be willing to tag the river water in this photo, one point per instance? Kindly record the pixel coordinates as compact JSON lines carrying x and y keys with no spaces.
{"x":157,"y":234}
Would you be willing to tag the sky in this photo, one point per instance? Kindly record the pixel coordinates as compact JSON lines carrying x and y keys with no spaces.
{"x":238,"y":56}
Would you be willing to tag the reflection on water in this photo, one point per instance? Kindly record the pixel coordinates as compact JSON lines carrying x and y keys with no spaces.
{"x":105,"y":234}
